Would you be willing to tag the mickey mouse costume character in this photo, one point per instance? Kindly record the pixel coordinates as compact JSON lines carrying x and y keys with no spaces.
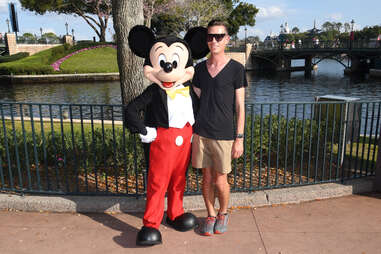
{"x":166,"y":130}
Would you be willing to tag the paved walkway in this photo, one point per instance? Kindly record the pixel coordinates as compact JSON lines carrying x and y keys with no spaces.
{"x":349,"y":224}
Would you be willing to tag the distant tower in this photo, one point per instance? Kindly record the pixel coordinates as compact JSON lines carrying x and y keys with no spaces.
{"x":286,"y":28}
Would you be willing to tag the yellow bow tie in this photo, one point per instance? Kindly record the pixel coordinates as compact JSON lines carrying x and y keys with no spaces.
{"x":183,"y":91}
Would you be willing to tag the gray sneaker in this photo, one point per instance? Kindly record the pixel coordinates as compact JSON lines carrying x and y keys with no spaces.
{"x":221,"y":225}
{"x":207,"y":227}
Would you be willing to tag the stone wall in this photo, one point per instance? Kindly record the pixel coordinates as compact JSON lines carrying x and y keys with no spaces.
{"x":33,"y":48}
{"x":14,"y":48}
{"x":242,"y":57}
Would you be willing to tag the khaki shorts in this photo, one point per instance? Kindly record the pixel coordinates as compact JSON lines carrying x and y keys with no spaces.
{"x":210,"y":153}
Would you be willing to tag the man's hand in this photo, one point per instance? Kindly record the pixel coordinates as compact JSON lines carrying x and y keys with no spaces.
{"x":237,"y":149}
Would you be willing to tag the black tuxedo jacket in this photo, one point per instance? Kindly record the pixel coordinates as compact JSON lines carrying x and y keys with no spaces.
{"x":153,"y":102}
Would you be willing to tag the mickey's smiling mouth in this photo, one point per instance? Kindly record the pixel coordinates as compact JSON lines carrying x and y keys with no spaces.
{"x":168,"y":84}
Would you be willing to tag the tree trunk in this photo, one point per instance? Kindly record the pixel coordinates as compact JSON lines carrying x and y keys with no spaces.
{"x":126,"y":14}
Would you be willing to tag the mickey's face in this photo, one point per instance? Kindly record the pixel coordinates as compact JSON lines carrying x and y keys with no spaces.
{"x":168,"y":60}
{"x":168,"y":64}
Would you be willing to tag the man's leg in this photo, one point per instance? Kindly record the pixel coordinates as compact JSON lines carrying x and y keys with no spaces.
{"x":208,"y":191}
{"x":223,"y":191}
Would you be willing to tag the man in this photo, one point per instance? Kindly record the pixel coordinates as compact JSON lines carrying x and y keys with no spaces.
{"x":220,"y":84}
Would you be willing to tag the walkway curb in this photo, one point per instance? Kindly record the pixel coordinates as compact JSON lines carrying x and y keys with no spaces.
{"x":60,"y":78}
{"x":72,"y":204}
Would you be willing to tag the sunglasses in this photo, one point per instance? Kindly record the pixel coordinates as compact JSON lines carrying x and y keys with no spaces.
{"x":218,"y":37}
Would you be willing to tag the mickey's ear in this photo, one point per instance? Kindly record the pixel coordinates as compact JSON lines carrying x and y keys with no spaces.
{"x":196,"y":39}
{"x":140,"y":40}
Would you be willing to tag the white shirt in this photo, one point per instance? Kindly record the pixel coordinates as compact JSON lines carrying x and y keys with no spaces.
{"x":180,"y":110}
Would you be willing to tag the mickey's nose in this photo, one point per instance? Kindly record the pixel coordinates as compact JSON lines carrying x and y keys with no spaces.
{"x":167,"y":67}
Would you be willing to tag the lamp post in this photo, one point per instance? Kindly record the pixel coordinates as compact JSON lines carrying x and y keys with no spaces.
{"x":352,"y":35}
{"x":245,"y":35}
{"x":72,"y":33}
{"x":8,"y":25}
{"x":67,"y":26}
{"x":41,"y":31}
{"x":352,"y":23}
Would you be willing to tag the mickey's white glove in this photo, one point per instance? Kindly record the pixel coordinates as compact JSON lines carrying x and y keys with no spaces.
{"x":150,"y":136}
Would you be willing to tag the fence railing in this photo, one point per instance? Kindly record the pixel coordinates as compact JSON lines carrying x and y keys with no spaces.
{"x":84,"y":150}
{"x":35,"y":40}
{"x":309,"y":44}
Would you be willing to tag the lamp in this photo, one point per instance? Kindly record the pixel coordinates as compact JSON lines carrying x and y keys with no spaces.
{"x":8,"y":25}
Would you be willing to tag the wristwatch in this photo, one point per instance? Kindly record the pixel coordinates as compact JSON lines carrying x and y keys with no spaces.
{"x":240,"y":135}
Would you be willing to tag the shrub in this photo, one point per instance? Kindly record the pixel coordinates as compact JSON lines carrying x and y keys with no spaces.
{"x":18,"y":56}
{"x":91,"y":150}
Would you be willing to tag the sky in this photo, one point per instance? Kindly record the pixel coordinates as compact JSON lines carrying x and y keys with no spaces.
{"x":272,"y":13}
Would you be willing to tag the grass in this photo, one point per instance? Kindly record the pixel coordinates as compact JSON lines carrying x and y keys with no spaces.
{"x":358,"y":149}
{"x":90,"y":61}
{"x":56,"y":126}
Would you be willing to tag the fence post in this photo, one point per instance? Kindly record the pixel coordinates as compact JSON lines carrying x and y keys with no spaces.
{"x":378,"y":166}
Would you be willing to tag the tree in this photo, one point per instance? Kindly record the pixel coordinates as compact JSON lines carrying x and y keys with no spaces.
{"x":295,"y":30}
{"x":199,"y":13}
{"x":242,"y":15}
{"x":163,"y":24}
{"x":338,"y":26}
{"x":126,"y":14}
{"x":50,"y":38}
{"x":86,"y":9}
{"x":155,"y":7}
{"x":327,"y":26}
{"x":28,"y":37}
{"x":347,"y":27}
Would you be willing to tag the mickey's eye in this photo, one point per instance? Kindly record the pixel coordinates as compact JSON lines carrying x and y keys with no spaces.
{"x":175,"y":60}
{"x":162,"y":60}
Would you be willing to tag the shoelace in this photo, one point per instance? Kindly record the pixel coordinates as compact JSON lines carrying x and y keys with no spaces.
{"x":210,"y":219}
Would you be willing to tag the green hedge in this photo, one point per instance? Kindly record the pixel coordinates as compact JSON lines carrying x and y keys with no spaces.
{"x":93,"y":152}
{"x":292,"y":140}
{"x":18,"y":56}
{"x":112,"y":152}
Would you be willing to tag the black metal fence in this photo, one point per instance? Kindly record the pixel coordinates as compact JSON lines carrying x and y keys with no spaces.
{"x":84,"y":149}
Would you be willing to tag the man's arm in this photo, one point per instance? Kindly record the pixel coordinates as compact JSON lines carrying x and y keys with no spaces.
{"x":237,"y":149}
{"x":197,"y":91}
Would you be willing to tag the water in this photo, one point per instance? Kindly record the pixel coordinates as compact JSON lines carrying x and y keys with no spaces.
{"x":328,"y":79}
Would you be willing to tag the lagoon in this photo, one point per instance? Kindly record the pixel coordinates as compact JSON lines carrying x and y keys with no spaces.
{"x":279,"y":87}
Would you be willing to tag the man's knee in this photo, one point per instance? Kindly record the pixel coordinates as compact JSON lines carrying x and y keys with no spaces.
{"x":220,"y":181}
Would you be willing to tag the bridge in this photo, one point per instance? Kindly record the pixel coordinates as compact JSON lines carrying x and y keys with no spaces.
{"x":355,"y":56}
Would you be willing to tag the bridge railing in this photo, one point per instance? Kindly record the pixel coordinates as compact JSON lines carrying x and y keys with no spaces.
{"x":84,"y":149}
{"x":309,"y":44}
{"x":22,"y":40}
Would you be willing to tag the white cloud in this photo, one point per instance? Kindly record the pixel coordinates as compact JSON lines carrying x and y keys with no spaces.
{"x":335,"y":16}
{"x":251,"y":31}
{"x":270,"y":12}
{"x":4,"y":6}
